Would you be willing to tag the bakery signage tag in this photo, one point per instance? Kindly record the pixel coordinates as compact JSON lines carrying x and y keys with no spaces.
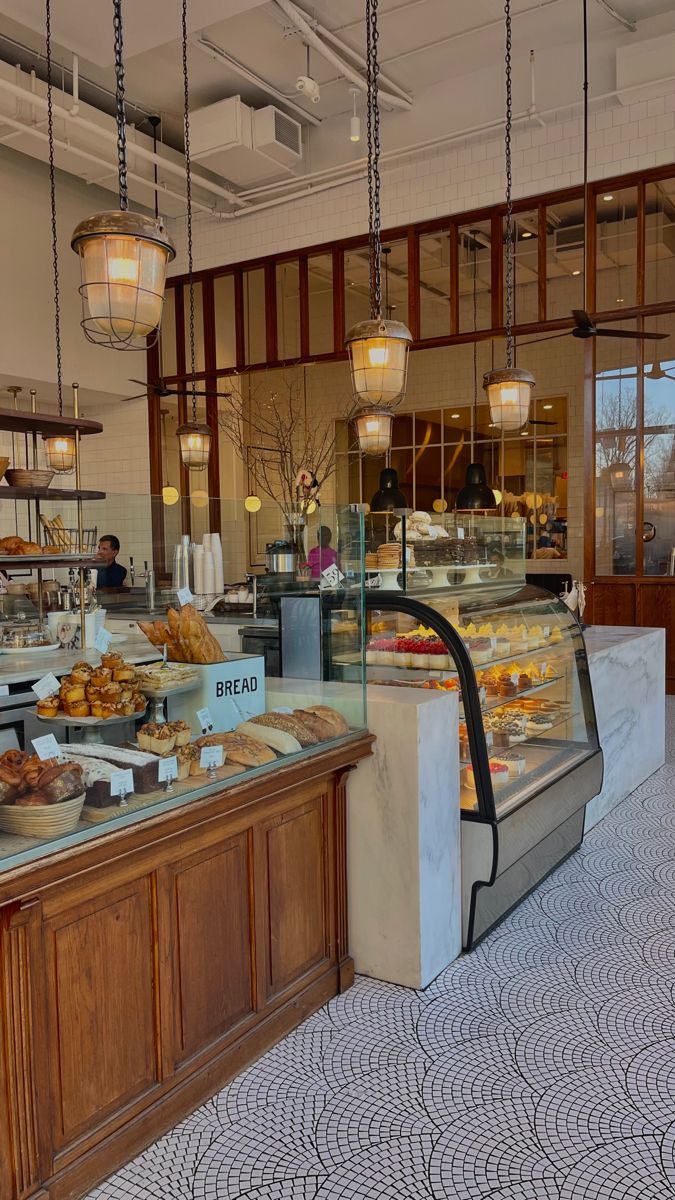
{"x":211,"y":757}
{"x":205,"y":720}
{"x":47,"y":686}
{"x":102,"y":641}
{"x":184,"y":596}
{"x":331,"y":577}
{"x":167,"y":769}
{"x":46,"y":747}
{"x":121,"y":783}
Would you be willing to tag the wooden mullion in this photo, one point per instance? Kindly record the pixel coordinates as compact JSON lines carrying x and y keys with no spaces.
{"x":180,"y":330}
{"x":497,"y":270}
{"x":271,"y":335}
{"x":641,"y":256}
{"x":639,"y":453}
{"x":591,"y":244}
{"x":414,"y":320}
{"x":589,"y":557}
{"x":303,"y":280}
{"x":156,"y":465}
{"x":541,"y":262}
{"x":454,"y":278}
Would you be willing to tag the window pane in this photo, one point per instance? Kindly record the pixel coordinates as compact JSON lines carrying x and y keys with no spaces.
{"x":564,"y":258}
{"x":616,"y":249}
{"x":660,"y":241}
{"x":255,"y":345}
{"x":615,"y":457}
{"x":402,"y":430}
{"x":428,"y":485}
{"x":168,"y":337}
{"x":659,"y":459}
{"x":435,"y":284}
{"x":526,"y":274}
{"x":395,"y":281}
{"x":288,"y":310}
{"x":357,"y":291}
{"x":223,"y":298}
{"x":403,"y":462}
{"x":474,"y":254}
{"x":320,"y":270}
{"x":199,"y":327}
{"x":429,"y":427}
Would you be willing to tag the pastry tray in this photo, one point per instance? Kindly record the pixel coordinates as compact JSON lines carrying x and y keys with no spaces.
{"x":61,"y":719}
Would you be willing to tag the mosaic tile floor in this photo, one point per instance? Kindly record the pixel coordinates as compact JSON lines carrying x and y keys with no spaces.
{"x":541,"y":1066}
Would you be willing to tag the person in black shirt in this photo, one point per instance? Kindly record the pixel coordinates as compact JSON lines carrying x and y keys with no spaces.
{"x":112,"y":574}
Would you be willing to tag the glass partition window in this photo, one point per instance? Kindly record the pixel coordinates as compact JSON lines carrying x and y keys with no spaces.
{"x":564,"y":258}
{"x":255,"y":341}
{"x":225,"y":321}
{"x":659,"y":458}
{"x":435,"y":284}
{"x":320,"y":281}
{"x":199,"y":327}
{"x":167,"y":342}
{"x":288,"y":309}
{"x":357,"y":286}
{"x":616,"y":249}
{"x":660,"y":241}
{"x":616,"y":417}
{"x":526,"y":267}
{"x":475,"y":268}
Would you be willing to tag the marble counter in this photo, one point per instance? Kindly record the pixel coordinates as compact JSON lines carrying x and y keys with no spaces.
{"x":26,"y":668}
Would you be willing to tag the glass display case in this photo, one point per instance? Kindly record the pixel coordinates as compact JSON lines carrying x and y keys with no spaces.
{"x":528,"y":745}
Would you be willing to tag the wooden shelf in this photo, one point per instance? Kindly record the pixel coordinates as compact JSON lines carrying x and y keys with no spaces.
{"x":14,"y":562}
{"x":48,"y":493}
{"x":49,"y":423}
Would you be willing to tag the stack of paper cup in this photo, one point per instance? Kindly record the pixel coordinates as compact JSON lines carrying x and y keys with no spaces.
{"x":209,"y":574}
{"x":198,"y":567}
{"x":219,"y":574}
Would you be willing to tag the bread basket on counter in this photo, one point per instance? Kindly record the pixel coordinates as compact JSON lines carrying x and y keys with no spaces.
{"x":42,"y":820}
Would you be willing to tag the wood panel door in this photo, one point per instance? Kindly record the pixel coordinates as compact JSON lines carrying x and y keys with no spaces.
{"x":657,"y":608}
{"x":292,"y":901}
{"x":205,"y":925}
{"x":613,"y":603}
{"x":101,"y":999}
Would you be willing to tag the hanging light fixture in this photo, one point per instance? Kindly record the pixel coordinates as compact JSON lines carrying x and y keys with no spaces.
{"x":509,"y":388}
{"x":476,"y":495}
{"x":60,"y":449}
{"x":123,"y":255}
{"x":194,"y":438}
{"x":378,"y":348}
{"x":355,"y":121}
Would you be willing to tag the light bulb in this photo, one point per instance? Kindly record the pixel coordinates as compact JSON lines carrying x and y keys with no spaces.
{"x":377,"y":355}
{"x":253,"y":504}
{"x":355,"y":129}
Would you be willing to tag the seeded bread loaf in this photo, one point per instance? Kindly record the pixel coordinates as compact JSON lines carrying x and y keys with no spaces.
{"x":288,"y":724}
{"x":277,"y":739}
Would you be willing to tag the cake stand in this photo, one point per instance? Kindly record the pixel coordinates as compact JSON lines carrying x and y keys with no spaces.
{"x":92,"y":727}
{"x":389,"y":577}
{"x":439,"y":575}
{"x":159,"y":695}
{"x":472,"y":571}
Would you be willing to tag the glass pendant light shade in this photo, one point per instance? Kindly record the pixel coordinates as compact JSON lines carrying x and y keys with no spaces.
{"x":619,"y":475}
{"x":195,"y":446}
{"x":60,"y":451}
{"x":508,"y":392}
{"x":475,"y":495}
{"x":373,"y":429}
{"x":170,"y":495}
{"x":123,"y":261}
{"x":378,"y":355}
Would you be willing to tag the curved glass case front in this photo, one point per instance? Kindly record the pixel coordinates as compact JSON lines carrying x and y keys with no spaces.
{"x":517,"y":656}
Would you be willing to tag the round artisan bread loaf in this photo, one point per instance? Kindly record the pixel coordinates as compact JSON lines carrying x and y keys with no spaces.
{"x":288,"y":724}
{"x":331,"y":715}
{"x":269,"y":735}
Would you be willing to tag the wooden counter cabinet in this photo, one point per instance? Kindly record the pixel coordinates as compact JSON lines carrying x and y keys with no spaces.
{"x":140,"y":971}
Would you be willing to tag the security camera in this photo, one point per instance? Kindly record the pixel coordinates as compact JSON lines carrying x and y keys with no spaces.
{"x":309,"y":87}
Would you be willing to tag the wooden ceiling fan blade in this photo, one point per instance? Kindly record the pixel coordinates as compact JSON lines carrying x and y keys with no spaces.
{"x":582,"y":319}
{"x":634,"y":334}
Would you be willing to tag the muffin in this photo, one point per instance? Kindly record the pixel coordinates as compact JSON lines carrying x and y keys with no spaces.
{"x":182,"y":732}
{"x":48,"y":707}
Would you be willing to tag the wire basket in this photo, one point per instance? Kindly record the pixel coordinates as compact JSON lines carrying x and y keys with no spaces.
{"x":67,"y":541}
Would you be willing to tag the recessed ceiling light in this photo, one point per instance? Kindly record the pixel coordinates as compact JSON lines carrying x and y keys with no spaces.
{"x":548,"y":407}
{"x":454,"y":416}
{"x":524,"y":433}
{"x":609,"y":196}
{"x":620,"y":300}
{"x":576,"y":272}
{"x":526,"y":233}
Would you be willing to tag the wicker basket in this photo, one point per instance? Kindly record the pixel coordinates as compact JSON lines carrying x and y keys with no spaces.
{"x":42,"y":820}
{"x":67,"y":541}
{"x":20,"y":477}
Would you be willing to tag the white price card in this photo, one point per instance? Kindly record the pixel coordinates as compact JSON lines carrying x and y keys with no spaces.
{"x":167,"y":769}
{"x":205,"y":719}
{"x":543,"y":669}
{"x":121,"y":783}
{"x":460,"y":533}
{"x":4,"y":689}
{"x":211,"y":756}
{"x":102,"y":640}
{"x":514,"y":677}
{"x":184,"y":596}
{"x":46,"y":747}
{"x":47,"y":686}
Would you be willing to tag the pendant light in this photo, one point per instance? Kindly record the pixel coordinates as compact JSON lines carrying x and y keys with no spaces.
{"x":60,"y":449}
{"x":509,"y":388}
{"x":123,"y":255}
{"x":378,"y":348}
{"x":475,"y":496}
{"x":194,"y":438}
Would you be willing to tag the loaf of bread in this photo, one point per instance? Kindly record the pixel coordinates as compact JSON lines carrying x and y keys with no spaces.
{"x":239,"y":748}
{"x":318,"y":726}
{"x":143,"y":766}
{"x":331,"y":715}
{"x":277,"y":739}
{"x":289,"y":724}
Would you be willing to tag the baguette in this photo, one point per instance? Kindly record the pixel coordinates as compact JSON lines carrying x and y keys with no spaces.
{"x":278,"y":739}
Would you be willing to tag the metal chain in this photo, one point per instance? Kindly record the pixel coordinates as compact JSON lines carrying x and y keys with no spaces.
{"x":52,"y":191}
{"x":374,"y":214}
{"x":508,"y":323}
{"x":119,"y":98}
{"x":475,"y":340}
{"x":188,"y":196}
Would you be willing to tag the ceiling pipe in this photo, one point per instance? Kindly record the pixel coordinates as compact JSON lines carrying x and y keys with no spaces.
{"x":628,"y":22}
{"x":75,"y":106}
{"x":217,"y":53}
{"x":107,"y":135}
{"x":358,"y":58}
{"x":302,"y":25}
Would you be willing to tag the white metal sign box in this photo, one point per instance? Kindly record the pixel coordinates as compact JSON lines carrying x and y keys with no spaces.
{"x":232,"y":691}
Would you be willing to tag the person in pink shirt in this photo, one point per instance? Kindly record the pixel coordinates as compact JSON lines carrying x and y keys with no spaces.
{"x":323,"y":555}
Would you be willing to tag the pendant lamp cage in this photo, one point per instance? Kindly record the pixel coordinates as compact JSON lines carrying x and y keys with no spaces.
{"x":123,"y":255}
{"x":194,"y":438}
{"x":509,"y":388}
{"x":60,"y":450}
{"x":378,"y":348}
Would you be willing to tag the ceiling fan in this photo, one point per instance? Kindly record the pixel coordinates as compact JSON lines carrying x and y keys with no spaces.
{"x":585,"y":327}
